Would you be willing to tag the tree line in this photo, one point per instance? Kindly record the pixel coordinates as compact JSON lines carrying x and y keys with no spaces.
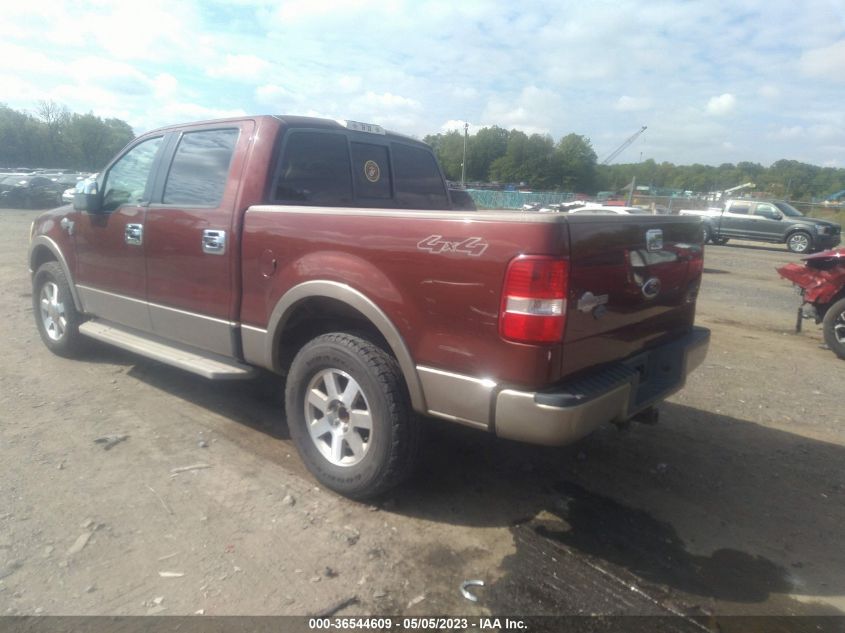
{"x":498,"y":155}
{"x":54,"y":137}
{"x":494,"y":154}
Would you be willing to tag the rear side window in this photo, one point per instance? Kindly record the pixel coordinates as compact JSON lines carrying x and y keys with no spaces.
{"x":740,"y":207}
{"x":314,"y":170}
{"x":200,"y":168}
{"x":417,"y":179}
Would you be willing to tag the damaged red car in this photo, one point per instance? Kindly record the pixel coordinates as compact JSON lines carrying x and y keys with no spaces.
{"x":821,"y":280}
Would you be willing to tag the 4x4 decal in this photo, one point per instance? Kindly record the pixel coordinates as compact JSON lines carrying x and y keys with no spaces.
{"x":472,"y":246}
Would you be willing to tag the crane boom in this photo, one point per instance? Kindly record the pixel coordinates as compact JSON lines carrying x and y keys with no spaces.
{"x":624,"y":145}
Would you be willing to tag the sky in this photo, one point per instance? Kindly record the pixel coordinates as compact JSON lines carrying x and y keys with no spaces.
{"x":715,"y":82}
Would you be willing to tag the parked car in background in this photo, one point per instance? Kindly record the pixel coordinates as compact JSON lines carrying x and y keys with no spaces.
{"x":766,"y":221}
{"x":27,"y":191}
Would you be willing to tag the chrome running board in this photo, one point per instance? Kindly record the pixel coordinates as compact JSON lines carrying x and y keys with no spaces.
{"x":206,"y":364}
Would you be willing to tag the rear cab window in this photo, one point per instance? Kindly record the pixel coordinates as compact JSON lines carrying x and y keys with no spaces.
{"x":343,"y":168}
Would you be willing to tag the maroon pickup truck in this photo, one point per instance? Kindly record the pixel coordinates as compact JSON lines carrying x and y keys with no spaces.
{"x":330,"y":254}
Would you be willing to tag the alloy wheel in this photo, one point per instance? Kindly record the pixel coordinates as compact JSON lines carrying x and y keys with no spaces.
{"x":338,"y":417}
{"x":53,"y":315}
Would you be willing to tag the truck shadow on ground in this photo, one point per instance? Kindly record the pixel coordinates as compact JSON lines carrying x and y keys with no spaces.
{"x":734,"y":488}
{"x":613,"y":500}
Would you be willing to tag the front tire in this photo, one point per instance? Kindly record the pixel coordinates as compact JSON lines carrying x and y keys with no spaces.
{"x":55,"y":313}
{"x":800,"y":242}
{"x":833,"y":327}
{"x":349,"y":414}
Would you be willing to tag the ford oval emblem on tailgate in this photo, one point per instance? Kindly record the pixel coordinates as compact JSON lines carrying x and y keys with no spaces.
{"x":654,"y":239}
{"x":651,"y":288}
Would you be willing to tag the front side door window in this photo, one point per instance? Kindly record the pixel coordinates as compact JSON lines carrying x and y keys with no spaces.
{"x":128,"y":180}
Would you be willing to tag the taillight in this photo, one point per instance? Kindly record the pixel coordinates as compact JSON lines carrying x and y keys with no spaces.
{"x":534,"y":300}
{"x":696,"y":262}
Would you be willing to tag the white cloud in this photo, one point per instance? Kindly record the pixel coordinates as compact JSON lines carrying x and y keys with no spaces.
{"x":826,"y":61}
{"x":349,"y":83}
{"x":534,"y":111}
{"x":388,"y":100}
{"x":182,"y":112}
{"x":271,"y":94}
{"x":111,"y":74}
{"x":721,"y":105}
{"x":769,"y":91}
{"x":465,"y":92}
{"x":789,"y":132}
{"x":246,"y":68}
{"x":632,"y":104}
{"x":165,"y":85}
{"x":295,"y":10}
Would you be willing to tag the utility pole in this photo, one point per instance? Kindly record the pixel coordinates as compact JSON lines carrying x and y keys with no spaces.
{"x":464,"y":161}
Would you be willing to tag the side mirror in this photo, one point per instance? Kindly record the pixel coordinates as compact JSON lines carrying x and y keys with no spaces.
{"x":87,"y":197}
{"x":777,"y":215}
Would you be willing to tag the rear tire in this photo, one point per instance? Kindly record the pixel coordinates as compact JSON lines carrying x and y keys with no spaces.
{"x":706,"y":232}
{"x":55,"y":313}
{"x":721,"y":241}
{"x":833,"y":327}
{"x":349,"y":414}
{"x":800,"y":242}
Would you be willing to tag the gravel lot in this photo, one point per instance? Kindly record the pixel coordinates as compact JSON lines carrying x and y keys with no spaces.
{"x":733,"y":504}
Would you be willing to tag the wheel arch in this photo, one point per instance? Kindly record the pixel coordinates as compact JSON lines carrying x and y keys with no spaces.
{"x":43,"y":250}
{"x":796,"y":228}
{"x":336,"y":303}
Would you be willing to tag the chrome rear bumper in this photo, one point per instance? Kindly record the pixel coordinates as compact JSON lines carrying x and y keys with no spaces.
{"x":613,"y":394}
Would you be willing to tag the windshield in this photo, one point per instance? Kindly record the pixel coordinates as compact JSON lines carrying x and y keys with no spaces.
{"x":789,"y":210}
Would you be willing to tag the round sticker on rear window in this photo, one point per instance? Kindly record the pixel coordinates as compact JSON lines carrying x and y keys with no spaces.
{"x":371,"y":171}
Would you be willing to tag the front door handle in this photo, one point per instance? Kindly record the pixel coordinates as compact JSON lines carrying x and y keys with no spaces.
{"x":213,"y":242}
{"x":134,"y":234}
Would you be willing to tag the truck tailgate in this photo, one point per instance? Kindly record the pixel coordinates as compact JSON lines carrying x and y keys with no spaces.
{"x":633,"y":284}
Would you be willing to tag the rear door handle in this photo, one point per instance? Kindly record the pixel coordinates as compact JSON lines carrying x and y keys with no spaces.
{"x":134,"y":234}
{"x":213,"y":242}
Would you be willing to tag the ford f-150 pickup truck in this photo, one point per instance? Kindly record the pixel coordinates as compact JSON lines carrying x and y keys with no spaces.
{"x":766,"y":221}
{"x":330,"y":254}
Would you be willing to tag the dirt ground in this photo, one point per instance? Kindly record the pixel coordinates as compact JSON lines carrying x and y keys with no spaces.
{"x":733,"y":504}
